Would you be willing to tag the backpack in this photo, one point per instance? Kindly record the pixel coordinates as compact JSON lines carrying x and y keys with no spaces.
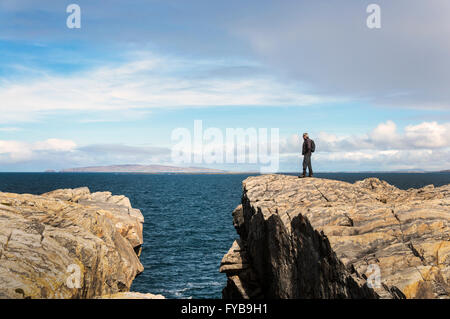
{"x":313,"y":146}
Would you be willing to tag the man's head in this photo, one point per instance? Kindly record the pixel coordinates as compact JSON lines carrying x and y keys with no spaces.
{"x":305,"y":136}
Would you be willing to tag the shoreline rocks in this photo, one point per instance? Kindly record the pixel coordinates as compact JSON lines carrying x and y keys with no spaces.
{"x":319,"y":238}
{"x":68,"y":243}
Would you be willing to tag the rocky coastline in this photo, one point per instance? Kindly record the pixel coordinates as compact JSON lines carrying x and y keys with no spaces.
{"x":69,"y":243}
{"x":320,"y":238}
{"x":298,"y":238}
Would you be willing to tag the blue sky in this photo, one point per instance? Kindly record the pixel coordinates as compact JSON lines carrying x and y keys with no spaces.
{"x":113,"y":91}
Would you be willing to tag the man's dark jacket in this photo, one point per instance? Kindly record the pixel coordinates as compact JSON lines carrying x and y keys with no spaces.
{"x":306,"y":146}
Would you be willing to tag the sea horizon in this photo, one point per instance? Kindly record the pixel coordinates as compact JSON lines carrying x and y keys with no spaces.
{"x":237,"y":172}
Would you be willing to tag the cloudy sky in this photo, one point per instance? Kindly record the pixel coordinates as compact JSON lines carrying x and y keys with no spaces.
{"x":114,"y":91}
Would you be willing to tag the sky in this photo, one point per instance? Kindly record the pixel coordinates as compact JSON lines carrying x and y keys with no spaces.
{"x":115,"y":90}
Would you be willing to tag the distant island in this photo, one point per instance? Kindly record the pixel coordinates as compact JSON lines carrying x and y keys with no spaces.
{"x":131,"y":168}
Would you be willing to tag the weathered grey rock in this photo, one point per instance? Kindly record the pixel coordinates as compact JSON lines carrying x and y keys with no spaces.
{"x":317,"y":238}
{"x":45,"y":239}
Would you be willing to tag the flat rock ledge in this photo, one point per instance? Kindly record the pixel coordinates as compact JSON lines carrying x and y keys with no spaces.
{"x":321,"y":238}
{"x":69,"y":243}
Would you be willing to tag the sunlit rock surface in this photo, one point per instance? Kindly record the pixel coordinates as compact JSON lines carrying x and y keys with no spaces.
{"x":69,"y":243}
{"x":320,"y":238}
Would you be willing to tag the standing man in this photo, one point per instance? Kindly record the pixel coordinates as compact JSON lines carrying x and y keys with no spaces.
{"x":308,"y":148}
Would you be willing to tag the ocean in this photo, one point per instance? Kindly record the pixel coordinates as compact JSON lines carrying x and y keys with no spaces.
{"x":188,"y":225}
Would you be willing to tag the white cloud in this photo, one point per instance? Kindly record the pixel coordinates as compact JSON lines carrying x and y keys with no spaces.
{"x":146,"y":81}
{"x":14,"y":151}
{"x":54,"y":145}
{"x":422,"y":146}
{"x":384,"y":132}
{"x":18,"y":151}
{"x":57,"y":154}
{"x":428,"y":135}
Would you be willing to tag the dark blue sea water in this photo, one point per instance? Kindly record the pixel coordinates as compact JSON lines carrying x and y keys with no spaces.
{"x":188,"y":224}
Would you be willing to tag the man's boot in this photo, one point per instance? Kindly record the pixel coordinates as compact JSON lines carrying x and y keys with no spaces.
{"x":303,"y":175}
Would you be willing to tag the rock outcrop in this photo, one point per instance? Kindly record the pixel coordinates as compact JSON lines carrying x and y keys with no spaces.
{"x":68,"y":243}
{"x":319,"y":238}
